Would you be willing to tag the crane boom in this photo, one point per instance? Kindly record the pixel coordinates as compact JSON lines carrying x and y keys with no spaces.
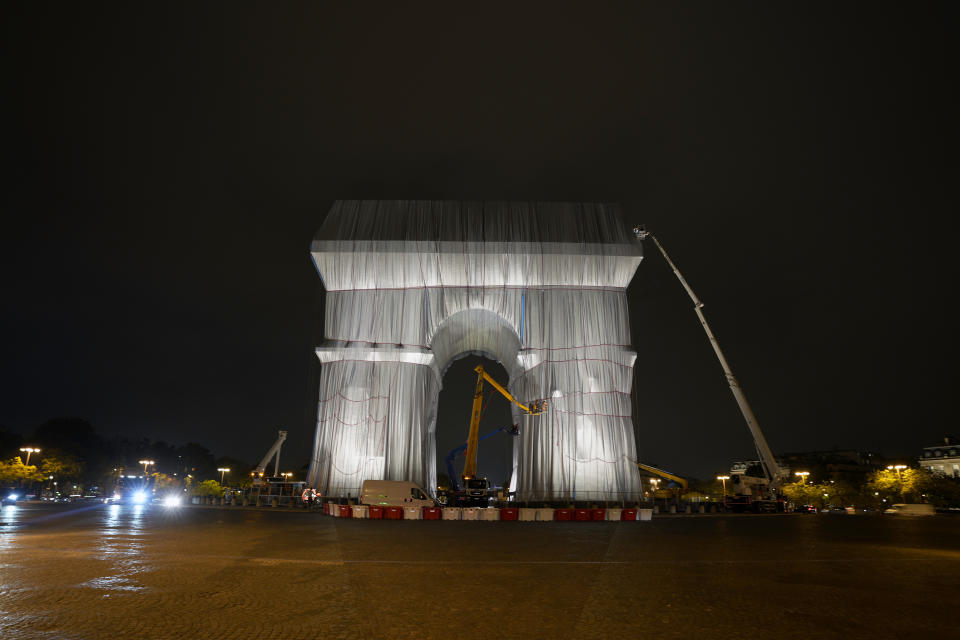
{"x":274,"y":451}
{"x":536,"y":408}
{"x":767,"y":461}
{"x":664,"y":474}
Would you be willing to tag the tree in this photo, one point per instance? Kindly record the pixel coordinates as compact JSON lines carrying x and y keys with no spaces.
{"x":163,"y":482}
{"x":819,"y":495}
{"x":197,"y":461}
{"x":940,"y":490}
{"x":209,"y":489}
{"x":62,"y":467}
{"x":16,"y":473}
{"x":905,"y":486}
{"x":76,"y":437}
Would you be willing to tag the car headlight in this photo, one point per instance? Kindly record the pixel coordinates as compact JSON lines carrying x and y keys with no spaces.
{"x":171,"y":501}
{"x":139,"y":497}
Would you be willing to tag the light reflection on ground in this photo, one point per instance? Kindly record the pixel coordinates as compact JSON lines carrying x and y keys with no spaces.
{"x":97,"y":571}
{"x":121,"y":543}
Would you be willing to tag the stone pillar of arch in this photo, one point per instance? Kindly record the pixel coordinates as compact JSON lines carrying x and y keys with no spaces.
{"x":539,"y":287}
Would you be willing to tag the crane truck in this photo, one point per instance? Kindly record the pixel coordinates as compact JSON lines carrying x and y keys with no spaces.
{"x":475,"y":489}
{"x":773,"y":475}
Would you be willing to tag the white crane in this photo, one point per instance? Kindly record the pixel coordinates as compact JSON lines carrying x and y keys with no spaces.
{"x":274,"y":451}
{"x":771,"y":470}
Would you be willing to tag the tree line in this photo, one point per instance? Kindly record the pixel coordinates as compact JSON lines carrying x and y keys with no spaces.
{"x":73,"y":455}
{"x":877,"y":490}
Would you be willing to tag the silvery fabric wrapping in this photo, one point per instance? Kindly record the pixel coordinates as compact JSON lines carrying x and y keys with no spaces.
{"x":539,"y":287}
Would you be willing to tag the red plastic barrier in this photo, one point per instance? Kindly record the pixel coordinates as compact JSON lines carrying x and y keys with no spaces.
{"x":393,"y":513}
{"x":346,"y":511}
{"x":431,"y":513}
{"x":563,"y":514}
{"x":376,"y":513}
{"x":581,"y":515}
{"x":509,"y":513}
{"x":598,"y":514}
{"x":628,"y":514}
{"x":326,"y":508}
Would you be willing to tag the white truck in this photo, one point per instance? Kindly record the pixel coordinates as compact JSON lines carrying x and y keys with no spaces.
{"x":394,"y":493}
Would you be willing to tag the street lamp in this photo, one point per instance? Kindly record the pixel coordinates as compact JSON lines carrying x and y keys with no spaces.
{"x":897,"y":468}
{"x":724,"y":479}
{"x":287,"y":475}
{"x":28,"y":451}
{"x":146,"y":463}
{"x":222,"y":471}
{"x":803,"y":476}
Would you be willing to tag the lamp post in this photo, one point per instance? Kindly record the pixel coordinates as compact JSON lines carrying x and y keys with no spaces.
{"x":28,"y":451}
{"x":897,"y":468}
{"x":723,"y":479}
{"x":222,"y":471}
{"x":146,"y":463}
{"x":287,"y":475}
{"x":802,"y":475}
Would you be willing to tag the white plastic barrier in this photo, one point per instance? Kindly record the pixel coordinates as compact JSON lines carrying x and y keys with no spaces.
{"x":490,"y":514}
{"x":527,"y":514}
{"x":451,"y":513}
{"x":361,"y":511}
{"x":470,"y":513}
{"x":412,"y":513}
{"x":614,"y":514}
{"x":644,"y":514}
{"x":545,"y":514}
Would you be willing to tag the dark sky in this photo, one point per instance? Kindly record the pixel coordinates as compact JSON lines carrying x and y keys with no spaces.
{"x":167,"y":166}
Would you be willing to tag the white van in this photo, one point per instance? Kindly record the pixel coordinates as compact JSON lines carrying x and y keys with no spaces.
{"x":394,"y":493}
{"x":911,"y":510}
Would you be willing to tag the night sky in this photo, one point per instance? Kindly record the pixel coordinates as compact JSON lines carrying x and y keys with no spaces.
{"x":168,"y":165}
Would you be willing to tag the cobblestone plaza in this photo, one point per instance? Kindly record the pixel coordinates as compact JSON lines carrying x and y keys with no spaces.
{"x":119,"y":572}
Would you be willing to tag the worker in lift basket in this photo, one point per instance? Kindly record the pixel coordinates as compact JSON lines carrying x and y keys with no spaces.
{"x":308,"y":496}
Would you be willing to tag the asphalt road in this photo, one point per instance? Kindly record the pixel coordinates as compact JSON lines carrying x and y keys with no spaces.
{"x":121,"y":573}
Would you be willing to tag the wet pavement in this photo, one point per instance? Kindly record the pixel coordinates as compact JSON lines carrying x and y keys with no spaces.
{"x":122,"y":572}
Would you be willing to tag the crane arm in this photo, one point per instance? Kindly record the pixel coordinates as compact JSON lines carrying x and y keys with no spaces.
{"x":770,"y":467}
{"x":274,"y":450}
{"x":664,"y":474}
{"x":537,"y":407}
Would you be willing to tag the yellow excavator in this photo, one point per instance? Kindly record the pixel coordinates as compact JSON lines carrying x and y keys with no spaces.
{"x":681,"y":483}
{"x":476,"y":489}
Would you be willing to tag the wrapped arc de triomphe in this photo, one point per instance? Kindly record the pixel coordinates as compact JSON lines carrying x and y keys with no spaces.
{"x":538,"y":286}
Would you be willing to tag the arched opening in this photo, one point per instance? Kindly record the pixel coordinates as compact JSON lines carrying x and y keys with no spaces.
{"x":495,"y":454}
{"x":464,"y":340}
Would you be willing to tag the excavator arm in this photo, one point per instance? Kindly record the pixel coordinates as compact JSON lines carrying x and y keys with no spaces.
{"x":664,"y":474}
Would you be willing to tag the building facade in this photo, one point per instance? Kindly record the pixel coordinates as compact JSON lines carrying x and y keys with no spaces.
{"x":943,"y":458}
